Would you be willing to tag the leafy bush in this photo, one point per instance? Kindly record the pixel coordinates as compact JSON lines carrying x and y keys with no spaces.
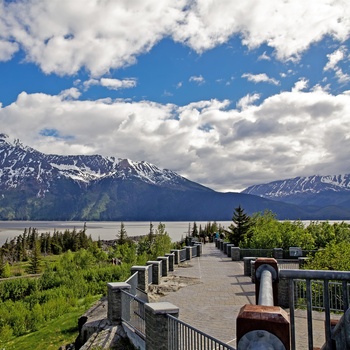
{"x":335,"y":256}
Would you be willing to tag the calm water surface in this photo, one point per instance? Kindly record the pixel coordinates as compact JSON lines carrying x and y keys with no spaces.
{"x":105,"y":230}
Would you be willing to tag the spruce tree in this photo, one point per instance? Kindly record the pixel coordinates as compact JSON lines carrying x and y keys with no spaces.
{"x":194,"y":230}
{"x":240,"y":226}
{"x":35,"y":258}
{"x":122,"y":236}
{"x":2,"y":265}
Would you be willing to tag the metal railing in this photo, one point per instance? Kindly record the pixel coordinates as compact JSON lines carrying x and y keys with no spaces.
{"x":182,"y":336}
{"x":133,"y":281}
{"x":133,"y":312}
{"x":194,"y":251}
{"x":183,"y":255}
{"x":325,"y":280}
{"x":336,"y":300}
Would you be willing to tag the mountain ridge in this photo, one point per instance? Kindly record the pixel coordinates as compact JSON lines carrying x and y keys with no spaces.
{"x":38,"y":186}
{"x":315,"y":190}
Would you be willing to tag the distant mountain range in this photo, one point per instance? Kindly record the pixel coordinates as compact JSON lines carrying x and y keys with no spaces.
{"x":37,"y":186}
{"x":316,"y":194}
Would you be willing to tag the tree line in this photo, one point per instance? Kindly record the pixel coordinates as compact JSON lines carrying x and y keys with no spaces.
{"x":330,"y":242}
{"x":30,"y":246}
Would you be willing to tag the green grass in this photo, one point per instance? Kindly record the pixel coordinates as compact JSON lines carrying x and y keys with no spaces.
{"x":20,"y":268}
{"x":61,"y":331}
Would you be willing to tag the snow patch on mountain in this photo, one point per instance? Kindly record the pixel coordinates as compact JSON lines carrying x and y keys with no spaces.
{"x":19,"y":162}
{"x":301,"y":185}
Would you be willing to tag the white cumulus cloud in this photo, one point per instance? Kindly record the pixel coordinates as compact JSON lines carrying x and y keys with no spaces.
{"x":293,"y":133}
{"x":63,"y":37}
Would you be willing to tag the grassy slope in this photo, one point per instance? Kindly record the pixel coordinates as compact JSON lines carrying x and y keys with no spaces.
{"x":61,"y":331}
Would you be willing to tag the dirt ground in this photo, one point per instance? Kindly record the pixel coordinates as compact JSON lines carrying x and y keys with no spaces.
{"x":169,"y":284}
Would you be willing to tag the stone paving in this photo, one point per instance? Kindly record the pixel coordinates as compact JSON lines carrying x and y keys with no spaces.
{"x":213,"y":304}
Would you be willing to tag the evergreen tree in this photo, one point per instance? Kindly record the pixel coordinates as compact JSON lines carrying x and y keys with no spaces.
{"x":19,"y":248}
{"x":2,"y":264}
{"x":240,"y":226}
{"x":122,"y":236}
{"x":194,"y":230}
{"x":35,"y":258}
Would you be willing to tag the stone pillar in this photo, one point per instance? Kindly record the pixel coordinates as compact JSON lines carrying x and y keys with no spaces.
{"x":142,"y":281}
{"x":157,"y":324}
{"x":247,"y":265}
{"x":199,"y":248}
{"x":222,"y":244}
{"x":235,"y":254}
{"x":264,"y":325}
{"x":156,"y":271}
{"x":278,"y":253}
{"x":225,"y":247}
{"x":188,"y":253}
{"x":171,"y":257}
{"x":165,"y":265}
{"x":114,"y":310}
{"x":229,"y":246}
{"x":176,"y":253}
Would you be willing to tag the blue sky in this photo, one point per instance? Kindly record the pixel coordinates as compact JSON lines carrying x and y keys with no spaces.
{"x":224,"y":93}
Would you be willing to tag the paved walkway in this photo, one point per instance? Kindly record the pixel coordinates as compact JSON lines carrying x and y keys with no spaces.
{"x":212,"y":305}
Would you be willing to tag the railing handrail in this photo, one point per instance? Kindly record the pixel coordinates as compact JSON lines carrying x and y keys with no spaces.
{"x":133,"y":281}
{"x":308,"y":276}
{"x":133,"y":297}
{"x":132,"y":314}
{"x":218,"y":343}
{"x":314,"y":274}
{"x":182,"y":254}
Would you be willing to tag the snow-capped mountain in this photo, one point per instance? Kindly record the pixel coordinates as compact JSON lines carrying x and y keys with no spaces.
{"x":18,"y":163}
{"x":311,"y":190}
{"x":37,"y":186}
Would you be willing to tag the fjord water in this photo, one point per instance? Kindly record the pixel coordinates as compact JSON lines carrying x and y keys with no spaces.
{"x":105,"y":230}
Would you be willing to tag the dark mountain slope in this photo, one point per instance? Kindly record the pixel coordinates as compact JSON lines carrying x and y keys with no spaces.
{"x":35,"y":186}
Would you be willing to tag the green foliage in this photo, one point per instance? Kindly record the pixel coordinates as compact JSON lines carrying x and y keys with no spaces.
{"x":237,"y":231}
{"x":31,"y":246}
{"x":162,"y":242}
{"x":35,"y":258}
{"x":6,"y":272}
{"x":323,"y":233}
{"x":154,"y":244}
{"x":122,"y":236}
{"x":28,"y":304}
{"x":335,"y":256}
{"x":126,"y":252}
{"x":266,"y":232}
